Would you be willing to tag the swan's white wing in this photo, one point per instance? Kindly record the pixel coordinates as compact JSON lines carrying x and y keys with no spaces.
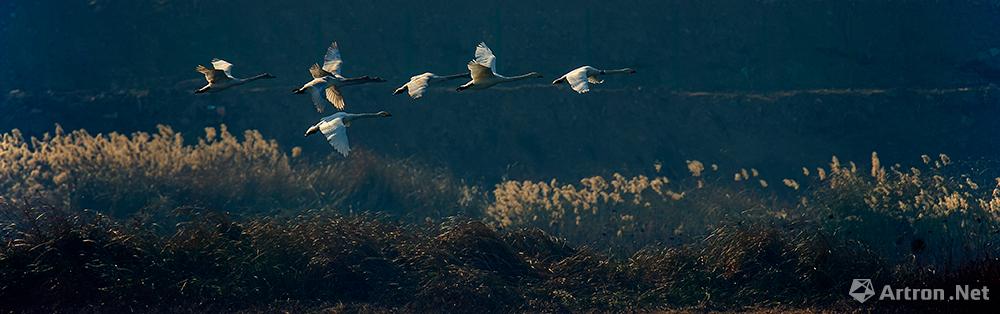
{"x":332,"y":61}
{"x":334,"y":96}
{"x":224,"y":66}
{"x":212,"y":76}
{"x":418,"y":84}
{"x":479,"y":71}
{"x":318,"y":72}
{"x":317,"y":98}
{"x":485,"y":57}
{"x":578,"y":81}
{"x":336,"y":133}
{"x":422,"y":75}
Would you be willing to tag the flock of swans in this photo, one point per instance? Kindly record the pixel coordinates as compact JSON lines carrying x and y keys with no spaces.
{"x":327,"y":81}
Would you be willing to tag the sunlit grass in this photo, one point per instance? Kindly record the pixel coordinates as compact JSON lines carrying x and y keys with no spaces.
{"x":122,"y":174}
{"x":945,"y":217}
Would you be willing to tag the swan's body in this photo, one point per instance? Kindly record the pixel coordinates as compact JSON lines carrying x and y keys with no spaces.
{"x":581,"y":78}
{"x":483,"y":71}
{"x":418,"y":83}
{"x":220,"y":77}
{"x":334,"y":127}
{"x":327,"y":81}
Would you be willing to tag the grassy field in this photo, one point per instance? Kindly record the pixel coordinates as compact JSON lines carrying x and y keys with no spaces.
{"x":149,"y":223}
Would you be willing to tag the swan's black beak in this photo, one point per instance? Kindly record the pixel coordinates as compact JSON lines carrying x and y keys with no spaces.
{"x":398,"y":91}
{"x":269,"y":76}
{"x":200,"y":91}
{"x":296,"y":91}
{"x":631,"y":71}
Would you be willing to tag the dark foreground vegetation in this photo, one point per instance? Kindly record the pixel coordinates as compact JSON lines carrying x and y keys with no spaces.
{"x":147,"y":223}
{"x":53,"y":259}
{"x":58,"y":260}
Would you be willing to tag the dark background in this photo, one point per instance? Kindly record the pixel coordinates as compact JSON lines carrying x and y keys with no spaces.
{"x":774,"y":85}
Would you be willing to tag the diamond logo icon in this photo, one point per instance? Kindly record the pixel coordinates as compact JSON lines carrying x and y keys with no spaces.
{"x":861,"y":290}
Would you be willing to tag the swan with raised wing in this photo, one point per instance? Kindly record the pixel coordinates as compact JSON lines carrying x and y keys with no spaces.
{"x":327,"y":81}
{"x":220,"y":76}
{"x":483,"y":71}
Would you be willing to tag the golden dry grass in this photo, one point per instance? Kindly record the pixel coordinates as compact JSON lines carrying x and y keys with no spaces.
{"x":928,"y":204}
{"x":122,"y":174}
{"x":626,"y":212}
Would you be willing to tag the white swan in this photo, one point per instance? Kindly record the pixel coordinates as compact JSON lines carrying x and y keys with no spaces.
{"x":221,"y":77}
{"x":327,"y":81}
{"x":418,"y":84}
{"x":581,"y":78}
{"x":334,"y":127}
{"x":483,"y":71}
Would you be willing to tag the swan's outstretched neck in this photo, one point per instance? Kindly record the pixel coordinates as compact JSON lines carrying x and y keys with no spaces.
{"x":360,"y":80}
{"x":620,"y":71}
{"x":455,"y":76}
{"x":524,"y":76}
{"x":260,"y":76}
{"x":400,"y":90}
{"x":355,"y":116}
{"x":312,"y":130}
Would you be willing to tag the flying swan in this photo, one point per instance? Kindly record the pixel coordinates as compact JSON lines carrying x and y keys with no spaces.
{"x":334,"y":127}
{"x":328,"y":80}
{"x":581,"y":78}
{"x":418,"y":83}
{"x":220,"y":77}
{"x":483,"y":71}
